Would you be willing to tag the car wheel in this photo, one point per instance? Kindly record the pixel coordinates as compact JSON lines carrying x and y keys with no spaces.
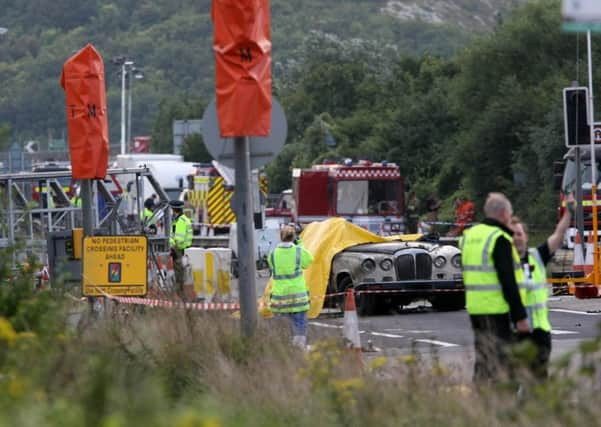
{"x":365,"y":303}
{"x":448,"y":302}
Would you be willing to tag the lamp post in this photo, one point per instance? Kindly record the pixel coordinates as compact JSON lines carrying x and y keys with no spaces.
{"x":134,"y":73}
{"x":127,"y":66}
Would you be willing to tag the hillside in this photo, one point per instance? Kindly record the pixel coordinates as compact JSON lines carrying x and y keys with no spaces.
{"x":171,"y":41}
{"x":469,"y":15}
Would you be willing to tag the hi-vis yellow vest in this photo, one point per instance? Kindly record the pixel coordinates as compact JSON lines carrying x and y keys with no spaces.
{"x":181,"y":233}
{"x":483,"y":291}
{"x":289,"y":292}
{"x":537,"y":293}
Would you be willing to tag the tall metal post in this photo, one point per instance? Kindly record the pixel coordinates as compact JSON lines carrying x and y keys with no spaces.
{"x":593,"y":160}
{"x":129,"y":85}
{"x":246,"y":238}
{"x":579,"y":210}
{"x":87,"y":212}
{"x":87,"y":209}
{"x":123,"y":108}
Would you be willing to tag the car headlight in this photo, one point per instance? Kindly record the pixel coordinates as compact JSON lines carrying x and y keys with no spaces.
{"x":456,"y":261}
{"x":440,"y":261}
{"x":386,"y":264}
{"x":368,"y":265}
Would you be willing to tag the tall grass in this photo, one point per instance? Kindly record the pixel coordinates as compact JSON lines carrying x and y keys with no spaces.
{"x":174,"y":368}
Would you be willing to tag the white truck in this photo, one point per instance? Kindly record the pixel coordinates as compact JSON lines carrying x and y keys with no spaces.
{"x":169,"y":170}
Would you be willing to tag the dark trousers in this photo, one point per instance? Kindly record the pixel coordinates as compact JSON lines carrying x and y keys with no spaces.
{"x":492,"y":341}
{"x":538,"y":364}
{"x":178,"y":269}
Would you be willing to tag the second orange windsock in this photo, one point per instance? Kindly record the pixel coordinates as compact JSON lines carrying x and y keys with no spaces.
{"x":242,"y":45}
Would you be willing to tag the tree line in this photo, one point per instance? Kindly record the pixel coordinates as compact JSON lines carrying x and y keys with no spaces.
{"x":489,"y":118}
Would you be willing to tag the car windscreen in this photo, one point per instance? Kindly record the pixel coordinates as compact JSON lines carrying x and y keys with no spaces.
{"x":569,"y":176}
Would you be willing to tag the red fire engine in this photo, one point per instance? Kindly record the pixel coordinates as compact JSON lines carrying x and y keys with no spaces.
{"x":367,"y":194}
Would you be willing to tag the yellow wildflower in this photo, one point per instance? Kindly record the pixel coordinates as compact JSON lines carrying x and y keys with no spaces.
{"x":7,"y":332}
{"x":377,"y":363}
{"x":15,"y":387}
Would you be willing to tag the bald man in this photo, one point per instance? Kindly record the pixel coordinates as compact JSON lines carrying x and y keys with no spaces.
{"x":491,"y":273}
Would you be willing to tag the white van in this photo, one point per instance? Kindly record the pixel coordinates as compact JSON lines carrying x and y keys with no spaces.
{"x":169,"y":170}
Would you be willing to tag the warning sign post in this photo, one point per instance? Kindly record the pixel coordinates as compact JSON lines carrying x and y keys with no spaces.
{"x":115,"y":265}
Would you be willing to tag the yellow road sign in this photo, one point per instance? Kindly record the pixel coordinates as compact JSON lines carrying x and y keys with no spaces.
{"x":115,"y":265}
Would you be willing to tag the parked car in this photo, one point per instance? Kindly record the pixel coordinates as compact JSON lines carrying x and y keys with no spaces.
{"x":402,"y":271}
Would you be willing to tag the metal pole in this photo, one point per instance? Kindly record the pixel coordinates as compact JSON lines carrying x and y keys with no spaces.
{"x":123,"y":108}
{"x":593,"y":160}
{"x":129,"y":85}
{"x":579,"y":210}
{"x":87,"y":209}
{"x":11,"y":212}
{"x":246,"y":238}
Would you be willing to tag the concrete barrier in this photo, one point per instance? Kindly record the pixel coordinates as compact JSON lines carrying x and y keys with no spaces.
{"x":209,"y":270}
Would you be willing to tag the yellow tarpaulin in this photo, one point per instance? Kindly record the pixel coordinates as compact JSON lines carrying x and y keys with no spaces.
{"x":324,"y":240}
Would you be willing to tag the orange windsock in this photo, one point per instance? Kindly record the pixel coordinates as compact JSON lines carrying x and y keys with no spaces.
{"x":83,"y":81}
{"x":242,"y":45}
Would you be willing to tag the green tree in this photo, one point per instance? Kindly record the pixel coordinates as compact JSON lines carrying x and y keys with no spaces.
{"x":170,"y":109}
{"x":194,"y":149}
{"x":4,"y":136}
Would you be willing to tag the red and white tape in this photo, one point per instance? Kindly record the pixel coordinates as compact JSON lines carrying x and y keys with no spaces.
{"x":200,"y":306}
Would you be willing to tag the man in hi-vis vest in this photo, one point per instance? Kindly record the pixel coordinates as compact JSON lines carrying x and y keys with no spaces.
{"x":533,"y":262}
{"x":491,"y":273}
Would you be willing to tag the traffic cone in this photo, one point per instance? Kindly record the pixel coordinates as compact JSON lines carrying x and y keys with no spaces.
{"x":351,"y":322}
{"x":170,"y":272}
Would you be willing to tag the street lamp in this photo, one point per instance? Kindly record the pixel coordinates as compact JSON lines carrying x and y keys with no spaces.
{"x":126,"y":67}
{"x":138,"y":75}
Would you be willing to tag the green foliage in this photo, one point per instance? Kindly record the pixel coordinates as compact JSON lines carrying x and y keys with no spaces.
{"x":172,"y":42}
{"x":194,"y":149}
{"x":4,"y":136}
{"x":168,"y":367}
{"x":486,"y":119}
{"x":176,"y":108}
{"x":457,"y":111}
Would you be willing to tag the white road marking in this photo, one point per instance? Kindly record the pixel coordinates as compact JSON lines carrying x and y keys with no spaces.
{"x":382,"y":334}
{"x":326,"y":325}
{"x":562,"y":332}
{"x":379,"y":334}
{"x":584,"y":313}
{"x":410,"y":331}
{"x":436,"y":342}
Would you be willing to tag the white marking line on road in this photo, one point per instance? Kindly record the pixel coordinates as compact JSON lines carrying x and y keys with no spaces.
{"x":410,"y":331}
{"x":584,"y":313}
{"x":379,"y":334}
{"x":436,"y":342}
{"x":562,"y":332}
{"x":382,"y":334}
{"x":326,"y":325}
